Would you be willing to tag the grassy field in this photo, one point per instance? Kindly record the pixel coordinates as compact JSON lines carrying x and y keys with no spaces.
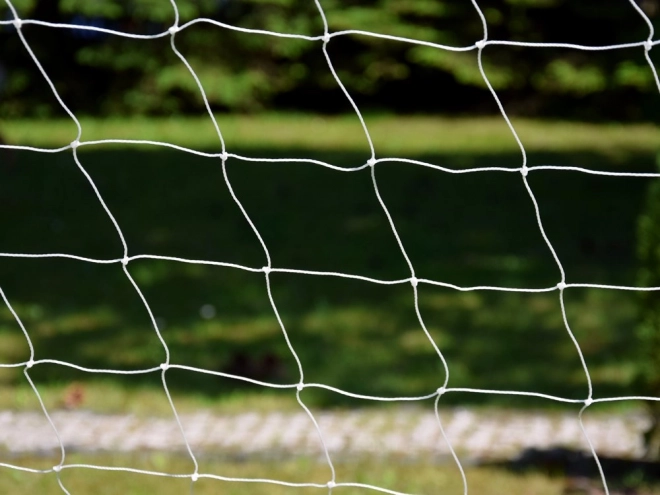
{"x":357,"y":336}
{"x":417,"y":478}
{"x":392,"y":135}
{"x":361,"y":337}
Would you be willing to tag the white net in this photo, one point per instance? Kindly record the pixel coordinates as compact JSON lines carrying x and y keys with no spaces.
{"x":123,"y":261}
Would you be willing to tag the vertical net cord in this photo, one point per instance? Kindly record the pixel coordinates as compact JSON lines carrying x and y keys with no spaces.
{"x":266,"y":269}
{"x":125,"y":259}
{"x":413,"y":279}
{"x":29,"y":365}
{"x":57,"y":468}
{"x":562,"y":284}
{"x":648,"y":44}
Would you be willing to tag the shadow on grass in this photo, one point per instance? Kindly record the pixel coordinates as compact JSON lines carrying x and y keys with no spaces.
{"x":625,"y":476}
{"x":469,"y":229}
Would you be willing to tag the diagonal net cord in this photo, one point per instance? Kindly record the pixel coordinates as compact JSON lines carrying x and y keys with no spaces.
{"x":17,"y":22}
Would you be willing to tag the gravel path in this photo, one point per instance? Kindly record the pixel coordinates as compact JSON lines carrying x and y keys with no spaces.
{"x":405,"y":433}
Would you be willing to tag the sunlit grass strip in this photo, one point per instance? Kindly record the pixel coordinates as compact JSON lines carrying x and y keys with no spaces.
{"x":393,"y":135}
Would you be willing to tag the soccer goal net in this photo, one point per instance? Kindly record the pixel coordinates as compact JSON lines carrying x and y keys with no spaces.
{"x":124,"y":260}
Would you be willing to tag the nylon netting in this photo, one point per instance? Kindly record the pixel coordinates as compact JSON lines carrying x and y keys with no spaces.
{"x":123,"y":262}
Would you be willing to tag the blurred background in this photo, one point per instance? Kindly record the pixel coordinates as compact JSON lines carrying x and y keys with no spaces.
{"x":277,"y":98}
{"x":248,"y":73}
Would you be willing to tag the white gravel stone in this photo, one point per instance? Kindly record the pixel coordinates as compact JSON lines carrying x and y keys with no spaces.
{"x":354,"y":433}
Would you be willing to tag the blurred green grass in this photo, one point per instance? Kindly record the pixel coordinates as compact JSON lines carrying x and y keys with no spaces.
{"x":392,"y":135}
{"x":392,"y":474}
{"x":361,"y":337}
{"x":409,"y":478}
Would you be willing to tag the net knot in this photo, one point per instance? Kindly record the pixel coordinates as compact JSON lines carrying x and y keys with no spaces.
{"x":194,"y":477}
{"x":561,"y":285}
{"x":371,"y":162}
{"x":164,"y":366}
{"x":524,"y":171}
{"x":74,"y":144}
{"x":29,"y":364}
{"x":266,"y":269}
{"x":331,"y":484}
{"x":300,"y":386}
{"x":224,"y":156}
{"x":57,"y":469}
{"x":480,"y":44}
{"x":326,"y":38}
{"x":173,"y":29}
{"x":414,"y":281}
{"x":588,"y":402}
{"x":441,"y":390}
{"x":18,"y":23}
{"x":648,"y":44}
{"x":124,"y":260}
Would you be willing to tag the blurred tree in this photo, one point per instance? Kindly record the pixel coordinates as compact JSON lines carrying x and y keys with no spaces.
{"x":648,"y":332}
{"x":109,"y":74}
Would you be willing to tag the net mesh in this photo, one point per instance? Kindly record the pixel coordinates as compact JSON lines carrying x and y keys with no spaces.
{"x":123,"y":262}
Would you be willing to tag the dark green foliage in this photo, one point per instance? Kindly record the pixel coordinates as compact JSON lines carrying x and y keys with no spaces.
{"x":649,"y":331}
{"x":98,"y":74}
